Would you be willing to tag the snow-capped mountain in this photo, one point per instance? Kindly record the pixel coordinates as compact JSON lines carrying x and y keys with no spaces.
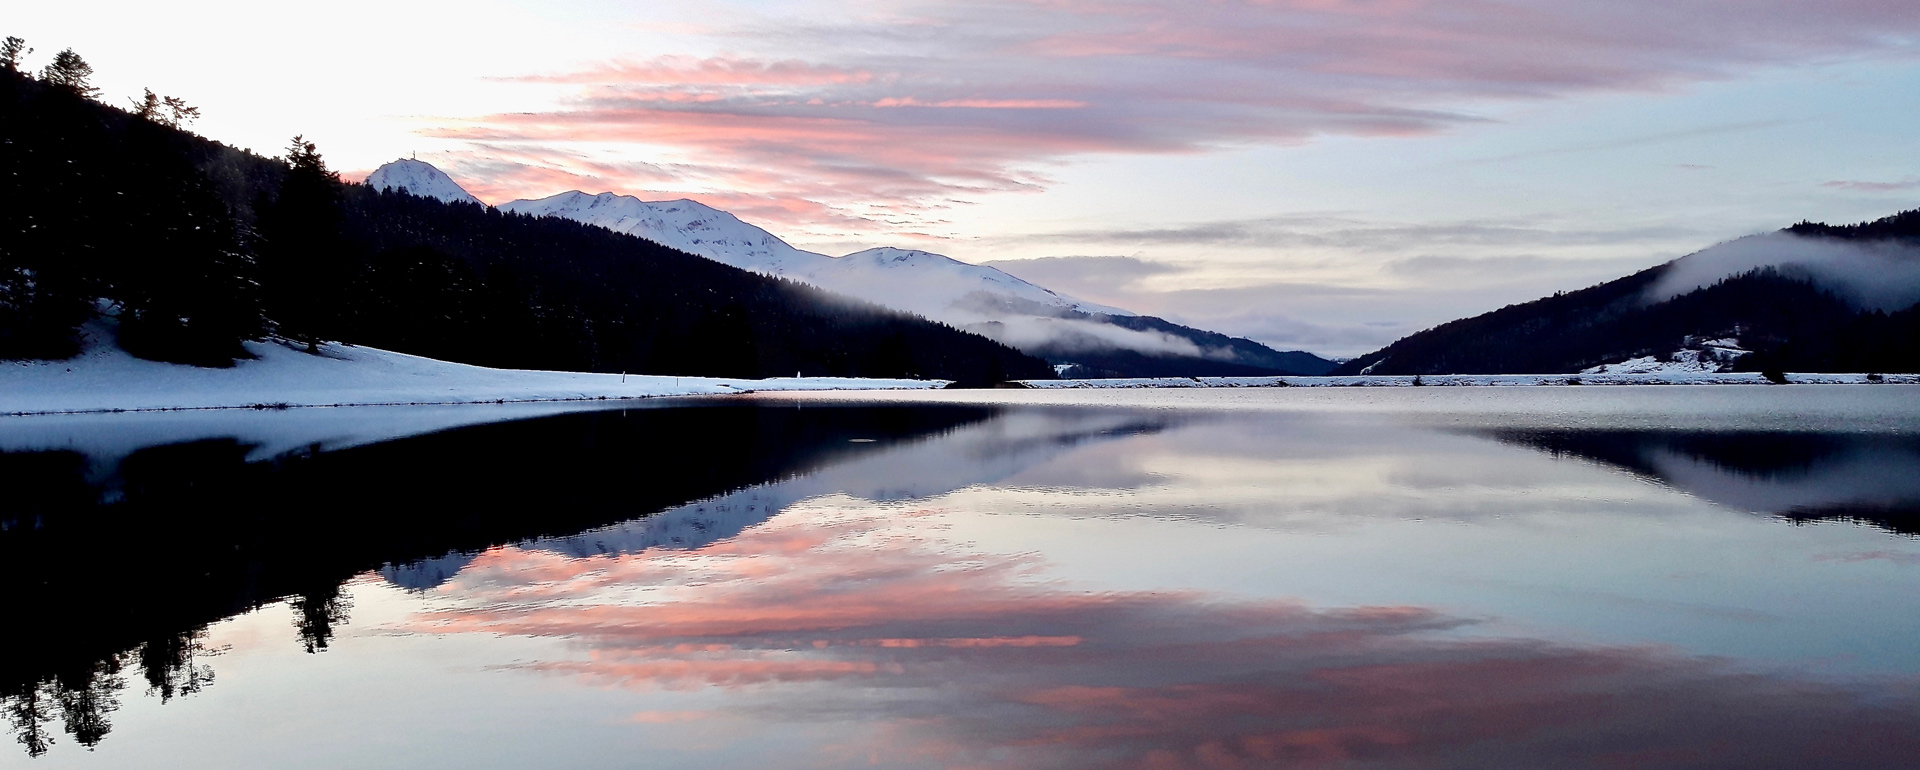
{"x":919,"y":282}
{"x":686,"y":225}
{"x":928,"y":280}
{"x":419,"y":178}
{"x":980,"y":299}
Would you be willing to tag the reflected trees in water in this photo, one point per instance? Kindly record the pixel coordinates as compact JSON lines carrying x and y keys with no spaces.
{"x":315,"y":614}
{"x":82,"y":697}
{"x":202,"y":529}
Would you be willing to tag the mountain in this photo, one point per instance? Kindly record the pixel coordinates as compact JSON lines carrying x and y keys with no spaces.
{"x":915,"y":281}
{"x":1085,"y":338}
{"x":195,"y":247}
{"x":682,"y":224}
{"x":1810,"y":298}
{"x":420,"y":178}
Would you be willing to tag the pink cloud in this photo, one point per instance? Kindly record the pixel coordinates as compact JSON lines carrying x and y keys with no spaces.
{"x":672,"y":717}
{"x":985,"y":104}
{"x":876,"y":125}
{"x":720,"y":70}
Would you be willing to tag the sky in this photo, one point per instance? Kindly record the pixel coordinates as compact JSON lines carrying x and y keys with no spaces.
{"x":1326,"y":175}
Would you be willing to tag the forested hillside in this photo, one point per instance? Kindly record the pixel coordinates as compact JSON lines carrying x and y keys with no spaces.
{"x":1783,"y":314}
{"x":1243,"y":357}
{"x":195,"y":246}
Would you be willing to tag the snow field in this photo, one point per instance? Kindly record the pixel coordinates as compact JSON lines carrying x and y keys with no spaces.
{"x":104,"y":378}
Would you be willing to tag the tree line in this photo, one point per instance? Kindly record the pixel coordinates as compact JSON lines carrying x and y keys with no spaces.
{"x":191,"y":248}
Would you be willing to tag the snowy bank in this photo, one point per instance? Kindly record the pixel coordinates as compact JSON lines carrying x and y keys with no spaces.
{"x":1365,"y":381}
{"x":106,"y":378}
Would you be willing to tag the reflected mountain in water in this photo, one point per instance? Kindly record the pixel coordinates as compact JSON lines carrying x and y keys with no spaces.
{"x":979,"y":453}
{"x":180,"y":535}
{"x":1861,"y":477}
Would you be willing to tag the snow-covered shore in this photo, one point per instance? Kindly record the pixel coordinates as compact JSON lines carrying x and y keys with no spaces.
{"x":105,"y":378}
{"x":1660,"y":378}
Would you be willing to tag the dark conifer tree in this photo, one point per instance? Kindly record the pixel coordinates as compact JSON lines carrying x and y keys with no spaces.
{"x":183,"y":282}
{"x":176,"y":113}
{"x":11,"y":50}
{"x":303,"y":259}
{"x":50,"y":208}
{"x":70,"y":72}
{"x":148,"y":106}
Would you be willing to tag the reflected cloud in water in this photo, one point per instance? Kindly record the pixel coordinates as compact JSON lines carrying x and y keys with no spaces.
{"x":849,"y":611}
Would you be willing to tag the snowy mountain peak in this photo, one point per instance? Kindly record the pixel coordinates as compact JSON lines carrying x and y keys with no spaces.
{"x":931,"y":285}
{"x":419,"y":177}
{"x":947,"y":281}
{"x":689,"y":226}
{"x":976,"y":298}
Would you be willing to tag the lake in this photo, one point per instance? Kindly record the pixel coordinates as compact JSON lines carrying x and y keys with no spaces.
{"x":1648,"y":577}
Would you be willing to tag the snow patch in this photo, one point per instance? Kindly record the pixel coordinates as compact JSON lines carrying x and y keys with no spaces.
{"x":1715,"y":355}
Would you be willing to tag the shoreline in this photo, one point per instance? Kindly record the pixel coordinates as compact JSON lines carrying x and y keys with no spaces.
{"x":103,"y":379}
{"x":281,"y":407}
{"x":1476,"y":380}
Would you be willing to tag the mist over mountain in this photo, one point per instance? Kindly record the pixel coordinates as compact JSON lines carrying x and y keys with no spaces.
{"x":1810,"y":298}
{"x":1879,"y":275}
{"x":1079,"y":336}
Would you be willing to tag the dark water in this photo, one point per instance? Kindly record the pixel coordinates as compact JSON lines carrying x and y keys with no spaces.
{"x":1638,"y":577}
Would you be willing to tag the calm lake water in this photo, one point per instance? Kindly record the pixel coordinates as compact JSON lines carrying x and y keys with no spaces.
{"x":1638,"y":577}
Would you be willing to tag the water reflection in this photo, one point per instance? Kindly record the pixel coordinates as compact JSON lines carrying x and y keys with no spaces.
{"x":975,"y":454}
{"x":987,"y":586}
{"x":1864,"y":477}
{"x":176,"y":536}
{"x":838,"y":612}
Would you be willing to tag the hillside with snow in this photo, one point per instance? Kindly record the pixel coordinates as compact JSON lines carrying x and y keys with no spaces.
{"x":105,"y":378}
{"x":1063,"y":329}
{"x":682,"y":224}
{"x":1809,"y":298}
{"x":920,"y":282}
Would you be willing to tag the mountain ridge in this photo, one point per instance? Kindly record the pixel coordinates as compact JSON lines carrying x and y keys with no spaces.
{"x":1809,"y":298}
{"x":1066,"y":331}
